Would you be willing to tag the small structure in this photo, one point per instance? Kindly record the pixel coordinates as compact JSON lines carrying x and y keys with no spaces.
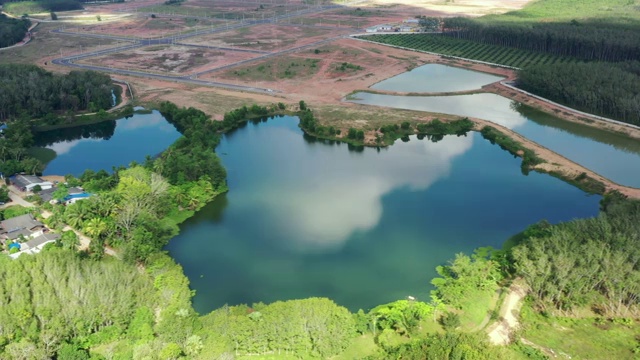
{"x":411,"y":21}
{"x":74,"y":198}
{"x":24,"y":225}
{"x":35,"y":245}
{"x":3,"y":128}
{"x":47,"y":194}
{"x":28,"y":182}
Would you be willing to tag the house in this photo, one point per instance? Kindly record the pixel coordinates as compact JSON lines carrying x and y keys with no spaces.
{"x":47,"y":194}
{"x":74,"y":198}
{"x":24,"y":225}
{"x":35,"y":245}
{"x":28,"y":182}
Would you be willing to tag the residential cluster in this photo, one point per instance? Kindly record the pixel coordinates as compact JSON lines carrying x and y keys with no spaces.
{"x":25,"y":234}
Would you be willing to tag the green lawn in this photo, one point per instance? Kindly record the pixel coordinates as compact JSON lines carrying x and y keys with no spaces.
{"x":13,"y":211}
{"x":582,"y":338}
{"x":618,"y":10}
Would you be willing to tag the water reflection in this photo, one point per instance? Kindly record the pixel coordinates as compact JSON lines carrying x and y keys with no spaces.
{"x":316,"y":213}
{"x":437,"y":78}
{"x":104,"y":145}
{"x":304,"y":218}
{"x":608,"y":154}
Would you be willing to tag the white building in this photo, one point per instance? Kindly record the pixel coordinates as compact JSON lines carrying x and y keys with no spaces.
{"x":28,"y":182}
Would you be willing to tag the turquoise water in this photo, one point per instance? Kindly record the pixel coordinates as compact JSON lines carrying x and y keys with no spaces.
{"x":309,"y":218}
{"x":437,"y":78}
{"x":611,"y":155}
{"x":107,"y":144}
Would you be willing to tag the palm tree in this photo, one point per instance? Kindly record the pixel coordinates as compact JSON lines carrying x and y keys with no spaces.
{"x":95,"y":227}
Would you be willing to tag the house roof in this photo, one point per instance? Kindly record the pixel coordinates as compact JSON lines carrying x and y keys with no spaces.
{"x":42,"y":239}
{"x":16,"y":234}
{"x":19,"y":223}
{"x":25,"y":180}
{"x":46,"y":194}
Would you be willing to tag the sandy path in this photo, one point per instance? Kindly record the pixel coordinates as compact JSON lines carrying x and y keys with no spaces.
{"x":500,"y":334}
{"x":558,"y":163}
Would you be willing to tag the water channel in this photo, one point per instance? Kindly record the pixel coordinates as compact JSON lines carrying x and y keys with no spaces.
{"x":308,"y":218}
{"x":611,"y":155}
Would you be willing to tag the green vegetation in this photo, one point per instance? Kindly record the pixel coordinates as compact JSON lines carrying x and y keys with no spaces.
{"x":44,"y":6}
{"x":620,"y":11}
{"x":529,"y":157}
{"x":29,"y":91}
{"x":348,"y":67}
{"x":12,"y":30}
{"x":468,"y":49}
{"x":611,"y":89}
{"x":287,"y":68}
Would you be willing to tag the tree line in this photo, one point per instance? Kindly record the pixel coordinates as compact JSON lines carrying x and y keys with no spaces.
{"x":29,"y":91}
{"x":585,"y":263}
{"x":12,"y":30}
{"x":606,"y":89}
{"x":589,"y":41}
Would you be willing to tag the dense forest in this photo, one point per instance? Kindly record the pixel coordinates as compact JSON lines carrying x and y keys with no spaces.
{"x":588,"y":41}
{"x":12,"y":30}
{"x":611,"y":89}
{"x":29,"y":91}
{"x":585,"y":263}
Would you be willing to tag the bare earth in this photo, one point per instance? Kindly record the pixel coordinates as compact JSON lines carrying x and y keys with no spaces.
{"x":501,"y":333}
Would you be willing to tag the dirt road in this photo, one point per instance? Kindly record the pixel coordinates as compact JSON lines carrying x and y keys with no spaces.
{"x":500,"y":333}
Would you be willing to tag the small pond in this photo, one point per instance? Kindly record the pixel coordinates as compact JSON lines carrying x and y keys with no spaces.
{"x":107,"y":144}
{"x":437,"y":78}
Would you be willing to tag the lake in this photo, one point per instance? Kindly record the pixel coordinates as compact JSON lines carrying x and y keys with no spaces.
{"x":313,"y":218}
{"x":437,"y":78}
{"x":611,"y":155}
{"x":107,"y":144}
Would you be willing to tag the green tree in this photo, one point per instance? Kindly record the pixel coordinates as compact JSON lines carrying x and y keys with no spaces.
{"x":4,"y":194}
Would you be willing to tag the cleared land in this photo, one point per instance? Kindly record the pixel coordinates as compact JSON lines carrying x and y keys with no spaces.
{"x":146,"y":26}
{"x":266,"y":37}
{"x":175,"y":59}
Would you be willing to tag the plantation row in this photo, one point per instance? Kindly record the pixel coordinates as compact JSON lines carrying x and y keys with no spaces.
{"x":468,"y":49}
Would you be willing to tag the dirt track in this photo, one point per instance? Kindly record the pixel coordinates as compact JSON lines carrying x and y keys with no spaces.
{"x":501,"y":333}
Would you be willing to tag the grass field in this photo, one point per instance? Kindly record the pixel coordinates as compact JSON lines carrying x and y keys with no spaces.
{"x":582,"y":338}
{"x":468,"y":49}
{"x":564,"y":10}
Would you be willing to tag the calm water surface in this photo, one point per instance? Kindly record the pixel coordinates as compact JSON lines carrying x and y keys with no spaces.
{"x":107,"y":144}
{"x":611,"y":155}
{"x":305,"y":218}
{"x":437,"y":78}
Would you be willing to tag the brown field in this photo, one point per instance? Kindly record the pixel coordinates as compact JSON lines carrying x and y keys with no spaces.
{"x":46,"y":45}
{"x":173,"y":59}
{"x":266,"y":37}
{"x":146,"y":27}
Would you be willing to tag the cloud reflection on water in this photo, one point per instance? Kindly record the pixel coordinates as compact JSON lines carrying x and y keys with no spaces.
{"x":319,"y":214}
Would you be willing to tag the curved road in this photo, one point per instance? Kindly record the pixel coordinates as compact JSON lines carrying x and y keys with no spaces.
{"x":192,"y":79}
